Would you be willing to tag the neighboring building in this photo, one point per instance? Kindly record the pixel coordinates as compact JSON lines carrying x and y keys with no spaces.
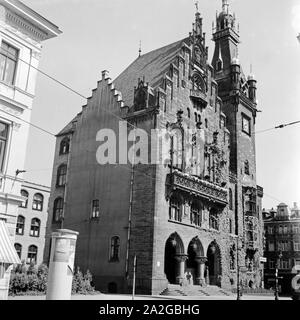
{"x":282,"y":235}
{"x":176,"y":217}
{"x":22,"y":32}
{"x":31,"y":223}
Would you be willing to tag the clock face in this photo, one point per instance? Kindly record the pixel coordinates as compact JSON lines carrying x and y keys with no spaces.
{"x":246,"y":125}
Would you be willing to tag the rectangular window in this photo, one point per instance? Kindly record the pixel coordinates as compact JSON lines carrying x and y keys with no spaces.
{"x":8,"y":63}
{"x":246,"y":124}
{"x":295,"y":229}
{"x":285,"y":229}
{"x":3,"y":143}
{"x":296,"y":246}
{"x":270,"y":230}
{"x":297,"y":262}
{"x":284,"y":264}
{"x":271,"y":264}
{"x":271,"y":246}
{"x":95,"y":209}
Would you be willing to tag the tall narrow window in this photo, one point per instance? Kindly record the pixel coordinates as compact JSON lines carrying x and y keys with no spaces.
{"x":95,"y":209}
{"x":35,"y":227}
{"x":20,"y":225}
{"x":175,"y":209}
{"x":37,"y":203}
{"x":32,"y":254}
{"x":58,"y":209}
{"x":24,"y":194}
{"x":196,"y":214}
{"x":247,"y":169}
{"x":177,"y":148}
{"x":61,"y":175}
{"x":64,"y":146}
{"x":8,"y":63}
{"x":18,"y":248}
{"x":3,"y":143}
{"x":189,"y":113}
{"x":230,"y":199}
{"x":114,"y":248}
{"x":213,"y":219}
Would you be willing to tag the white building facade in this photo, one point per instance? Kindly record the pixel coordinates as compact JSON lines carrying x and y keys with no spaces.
{"x":31,"y":223}
{"x":22,"y":32}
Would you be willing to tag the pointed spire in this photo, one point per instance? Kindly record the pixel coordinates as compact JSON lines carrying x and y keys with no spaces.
{"x":225,"y":6}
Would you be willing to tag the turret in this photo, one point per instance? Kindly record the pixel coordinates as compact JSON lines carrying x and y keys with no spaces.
{"x":252,"y":87}
{"x":236,"y":72}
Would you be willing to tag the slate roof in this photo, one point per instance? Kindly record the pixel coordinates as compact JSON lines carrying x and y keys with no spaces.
{"x":152,"y":65}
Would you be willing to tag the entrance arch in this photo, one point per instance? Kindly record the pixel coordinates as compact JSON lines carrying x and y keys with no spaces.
{"x":173,"y":249}
{"x":195,"y":259}
{"x":214,"y":264}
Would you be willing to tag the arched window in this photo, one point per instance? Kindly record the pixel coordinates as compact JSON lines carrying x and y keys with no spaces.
{"x":219,"y":65}
{"x":247,"y":169}
{"x":196,"y":213}
{"x":20,"y":225}
{"x":35,"y":227}
{"x":230,"y":199}
{"x":61,"y":175}
{"x":32,"y":254}
{"x":37,"y":203}
{"x":18,"y":248}
{"x":64,"y":146}
{"x":114,"y":248}
{"x":175,"y":212}
{"x":24,"y":194}
{"x":58,"y":209}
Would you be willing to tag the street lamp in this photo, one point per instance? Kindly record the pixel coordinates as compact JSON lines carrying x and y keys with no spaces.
{"x":276,"y":275}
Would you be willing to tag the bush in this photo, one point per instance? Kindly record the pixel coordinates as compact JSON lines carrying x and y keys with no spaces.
{"x":82,"y":283}
{"x":33,"y":281}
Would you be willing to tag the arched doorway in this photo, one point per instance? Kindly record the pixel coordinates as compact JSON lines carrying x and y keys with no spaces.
{"x":195,"y":253}
{"x":214,"y":264}
{"x":173,"y":249}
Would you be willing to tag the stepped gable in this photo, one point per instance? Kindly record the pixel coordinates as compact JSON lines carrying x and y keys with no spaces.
{"x":152,"y":66}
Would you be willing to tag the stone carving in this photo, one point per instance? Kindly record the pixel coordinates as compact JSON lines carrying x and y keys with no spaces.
{"x":200,"y":187}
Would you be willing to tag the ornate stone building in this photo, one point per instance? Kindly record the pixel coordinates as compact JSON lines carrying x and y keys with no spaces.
{"x":282,"y":245}
{"x":198,"y":214}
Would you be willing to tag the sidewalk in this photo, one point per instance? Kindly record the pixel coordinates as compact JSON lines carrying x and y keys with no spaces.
{"x":106,"y":297}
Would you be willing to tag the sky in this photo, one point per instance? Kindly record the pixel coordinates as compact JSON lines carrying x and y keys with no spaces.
{"x":104,"y":35}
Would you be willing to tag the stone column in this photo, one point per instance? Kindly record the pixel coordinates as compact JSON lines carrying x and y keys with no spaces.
{"x":180,"y":258}
{"x":200,"y":280}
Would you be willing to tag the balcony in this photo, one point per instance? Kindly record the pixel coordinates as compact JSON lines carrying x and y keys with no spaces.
{"x":203,"y":189}
{"x":200,"y":97}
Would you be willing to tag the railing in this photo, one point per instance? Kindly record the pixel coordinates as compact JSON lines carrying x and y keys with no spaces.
{"x":203,"y":188}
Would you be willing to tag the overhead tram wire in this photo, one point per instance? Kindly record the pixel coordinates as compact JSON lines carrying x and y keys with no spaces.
{"x":281,"y":126}
{"x":105,"y":110}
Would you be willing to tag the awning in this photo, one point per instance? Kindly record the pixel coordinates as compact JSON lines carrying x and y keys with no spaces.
{"x":8,"y":253}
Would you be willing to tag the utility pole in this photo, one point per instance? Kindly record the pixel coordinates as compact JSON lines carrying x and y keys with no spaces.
{"x":133,"y":283}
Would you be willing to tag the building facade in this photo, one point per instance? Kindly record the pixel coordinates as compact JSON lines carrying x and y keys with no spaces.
{"x":282,"y":245}
{"x":22,"y":32}
{"x":196,"y":214}
{"x":31,"y":223}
